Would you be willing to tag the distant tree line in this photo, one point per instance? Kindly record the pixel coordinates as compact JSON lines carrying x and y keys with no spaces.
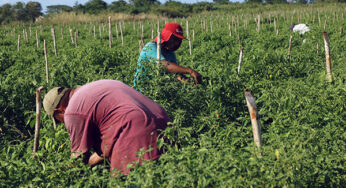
{"x":31,"y":10}
{"x":20,"y":12}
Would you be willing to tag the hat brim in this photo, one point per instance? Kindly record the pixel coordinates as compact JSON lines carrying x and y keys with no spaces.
{"x":54,"y":122}
{"x":165,"y":40}
{"x":179,"y":36}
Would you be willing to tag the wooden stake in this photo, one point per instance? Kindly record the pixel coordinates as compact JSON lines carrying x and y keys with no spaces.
{"x":256,"y":127}
{"x":158,"y":47}
{"x":38,"y":118}
{"x":54,"y":42}
{"x":26,"y":36}
{"x":319,"y":19}
{"x":116,"y":30}
{"x":340,"y":30}
{"x":62,"y":33}
{"x":274,"y":24}
{"x":142,"y":35}
{"x":71,"y":36}
{"x":239,"y":42}
{"x":211,"y":27}
{"x":188,"y":36}
{"x":76,"y":38}
{"x":258,"y":23}
{"x":121,"y":34}
{"x":289,"y":48}
{"x":193,"y":34}
{"x":100,"y":31}
{"x":158,"y":28}
{"x":140,"y":46}
{"x":110,"y":32}
{"x":46,"y":58}
{"x":328,"y":61}
{"x":18,"y":43}
{"x":94,"y":31}
{"x":240,"y":60}
{"x":37,"y":40}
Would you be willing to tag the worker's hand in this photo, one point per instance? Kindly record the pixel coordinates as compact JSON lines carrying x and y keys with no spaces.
{"x":196,"y":76}
{"x":182,"y":78}
{"x":94,"y":159}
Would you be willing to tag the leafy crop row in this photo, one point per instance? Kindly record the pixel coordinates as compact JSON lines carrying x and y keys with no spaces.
{"x":302,"y":115}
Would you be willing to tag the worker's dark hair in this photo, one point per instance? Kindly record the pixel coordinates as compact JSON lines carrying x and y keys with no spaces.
{"x":292,"y":26}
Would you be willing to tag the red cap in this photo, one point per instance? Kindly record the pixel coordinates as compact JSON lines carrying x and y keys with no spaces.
{"x":169,"y":29}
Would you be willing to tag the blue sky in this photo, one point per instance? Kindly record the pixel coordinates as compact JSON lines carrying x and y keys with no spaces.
{"x":46,"y":3}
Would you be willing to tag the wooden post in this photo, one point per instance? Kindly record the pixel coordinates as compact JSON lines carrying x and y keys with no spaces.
{"x":54,"y":42}
{"x":258,"y":23}
{"x":94,"y":31}
{"x":289,"y":48}
{"x":328,"y":61}
{"x":62,"y":33}
{"x":152,"y":34}
{"x":76,"y":38}
{"x":319,"y":19}
{"x":38,"y":118}
{"x":121,"y":34}
{"x":340,"y":30}
{"x":142,"y":35}
{"x":116,"y":30}
{"x":240,"y":60}
{"x":100,"y":30}
{"x":211,"y":27}
{"x":71,"y":36}
{"x":158,"y":47}
{"x":26,"y":36}
{"x":317,"y":48}
{"x":193,"y":34}
{"x":239,"y":42}
{"x":110,"y":32}
{"x":46,"y":58}
{"x":37,"y":40}
{"x":188,"y":36}
{"x":274,"y":24}
{"x":256,"y":127}
{"x":18,"y":43}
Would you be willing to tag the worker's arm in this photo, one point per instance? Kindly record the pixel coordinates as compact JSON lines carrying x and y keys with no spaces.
{"x":174,"y":68}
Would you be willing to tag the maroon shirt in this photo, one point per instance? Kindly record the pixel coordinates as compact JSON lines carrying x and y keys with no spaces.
{"x":116,"y":121}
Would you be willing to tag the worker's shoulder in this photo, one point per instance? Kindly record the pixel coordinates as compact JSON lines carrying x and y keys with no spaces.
{"x":150,"y":44}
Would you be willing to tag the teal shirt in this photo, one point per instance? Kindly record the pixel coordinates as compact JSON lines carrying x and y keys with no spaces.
{"x":149,"y":55}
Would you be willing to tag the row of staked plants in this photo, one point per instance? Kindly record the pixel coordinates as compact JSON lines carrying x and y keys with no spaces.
{"x":302,"y":115}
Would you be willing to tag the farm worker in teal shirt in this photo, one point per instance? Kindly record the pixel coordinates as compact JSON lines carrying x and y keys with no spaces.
{"x":171,"y":39}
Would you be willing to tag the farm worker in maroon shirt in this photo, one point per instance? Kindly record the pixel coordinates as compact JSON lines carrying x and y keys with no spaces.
{"x":171,"y":39}
{"x":111,"y":118}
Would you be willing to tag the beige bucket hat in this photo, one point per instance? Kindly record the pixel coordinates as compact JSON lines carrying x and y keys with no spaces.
{"x":52,"y":99}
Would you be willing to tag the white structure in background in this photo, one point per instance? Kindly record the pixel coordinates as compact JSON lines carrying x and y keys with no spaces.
{"x":300,"y":28}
